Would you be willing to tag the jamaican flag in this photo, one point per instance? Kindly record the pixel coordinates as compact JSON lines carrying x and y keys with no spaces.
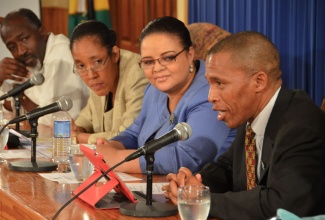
{"x":82,"y":10}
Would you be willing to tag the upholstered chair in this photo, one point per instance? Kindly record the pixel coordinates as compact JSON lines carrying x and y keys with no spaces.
{"x":204,"y":36}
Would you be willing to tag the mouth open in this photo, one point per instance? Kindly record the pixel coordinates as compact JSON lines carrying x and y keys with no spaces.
{"x":221,"y":115}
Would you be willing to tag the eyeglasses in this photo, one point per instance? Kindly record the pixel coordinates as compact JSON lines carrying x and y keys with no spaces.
{"x":98,"y":65}
{"x":164,"y":61}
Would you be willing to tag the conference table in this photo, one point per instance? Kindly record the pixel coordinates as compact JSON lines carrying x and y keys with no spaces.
{"x":27,"y":195}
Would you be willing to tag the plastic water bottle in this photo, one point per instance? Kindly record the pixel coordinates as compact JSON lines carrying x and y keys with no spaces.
{"x":61,"y":139}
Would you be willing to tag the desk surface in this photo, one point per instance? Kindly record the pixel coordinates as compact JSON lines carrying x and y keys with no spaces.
{"x":27,"y":195}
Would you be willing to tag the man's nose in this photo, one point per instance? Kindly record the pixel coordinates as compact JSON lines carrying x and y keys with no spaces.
{"x":21,"y":49}
{"x":213,"y":95}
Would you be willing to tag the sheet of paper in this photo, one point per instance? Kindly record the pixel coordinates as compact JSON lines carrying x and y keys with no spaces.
{"x":13,"y":154}
{"x":62,"y":178}
{"x":68,"y":178}
{"x":127,"y":177}
{"x":142,"y":187}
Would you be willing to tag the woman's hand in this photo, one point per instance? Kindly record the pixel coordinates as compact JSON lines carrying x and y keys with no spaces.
{"x":78,"y":133}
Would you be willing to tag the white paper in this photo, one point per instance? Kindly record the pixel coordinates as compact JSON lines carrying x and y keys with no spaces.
{"x":142,"y":187}
{"x":68,"y":178}
{"x":13,"y":154}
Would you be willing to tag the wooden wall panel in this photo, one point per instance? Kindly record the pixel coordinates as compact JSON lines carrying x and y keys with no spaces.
{"x":159,"y":8}
{"x":55,"y":19}
{"x":129,"y":17}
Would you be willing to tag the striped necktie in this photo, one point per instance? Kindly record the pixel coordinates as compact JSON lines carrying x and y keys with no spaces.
{"x":250,"y":148}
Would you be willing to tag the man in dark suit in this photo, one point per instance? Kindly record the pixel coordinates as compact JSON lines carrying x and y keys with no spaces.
{"x":244,"y":74}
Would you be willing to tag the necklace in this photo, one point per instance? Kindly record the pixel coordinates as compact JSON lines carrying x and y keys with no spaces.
{"x":171,"y":119}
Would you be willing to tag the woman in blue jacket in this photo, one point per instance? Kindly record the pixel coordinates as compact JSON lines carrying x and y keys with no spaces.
{"x":178,"y":92}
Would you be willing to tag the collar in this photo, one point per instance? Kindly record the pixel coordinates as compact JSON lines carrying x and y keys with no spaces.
{"x":260,"y":122}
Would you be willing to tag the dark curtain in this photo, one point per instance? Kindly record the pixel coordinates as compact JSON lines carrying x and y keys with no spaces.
{"x":296,"y":27}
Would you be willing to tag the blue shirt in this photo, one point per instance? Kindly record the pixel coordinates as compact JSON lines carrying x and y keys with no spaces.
{"x":209,"y":138}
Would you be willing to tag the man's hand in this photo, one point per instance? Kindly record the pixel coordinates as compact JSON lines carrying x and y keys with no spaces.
{"x":11,"y":68}
{"x":183,"y":178}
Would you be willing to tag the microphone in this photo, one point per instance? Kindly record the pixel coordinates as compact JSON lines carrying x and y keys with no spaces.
{"x":34,"y":80}
{"x":62,"y":104}
{"x":182,"y":131}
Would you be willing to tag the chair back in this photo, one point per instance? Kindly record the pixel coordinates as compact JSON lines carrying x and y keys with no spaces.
{"x":323,"y":105}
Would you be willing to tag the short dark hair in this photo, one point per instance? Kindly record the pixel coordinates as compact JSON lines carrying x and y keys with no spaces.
{"x":251,"y":51}
{"x":28,"y":14}
{"x":106,"y":37}
{"x":168,"y":25}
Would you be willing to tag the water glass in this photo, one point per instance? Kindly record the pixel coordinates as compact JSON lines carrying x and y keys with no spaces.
{"x":81,"y":167}
{"x":193,"y":202}
{"x":3,"y":137}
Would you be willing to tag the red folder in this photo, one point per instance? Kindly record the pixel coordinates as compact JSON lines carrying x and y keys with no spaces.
{"x":98,"y":195}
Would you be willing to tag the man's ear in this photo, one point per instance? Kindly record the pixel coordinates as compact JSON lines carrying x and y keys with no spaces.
{"x":261,"y":80}
{"x":43,"y":32}
{"x":115,"y":55}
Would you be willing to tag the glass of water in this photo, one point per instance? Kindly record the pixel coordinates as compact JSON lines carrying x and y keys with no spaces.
{"x":3,"y":137}
{"x":193,"y":202}
{"x":81,"y":167}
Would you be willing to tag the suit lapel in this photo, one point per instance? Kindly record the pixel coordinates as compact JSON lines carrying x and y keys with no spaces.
{"x":272,"y":128}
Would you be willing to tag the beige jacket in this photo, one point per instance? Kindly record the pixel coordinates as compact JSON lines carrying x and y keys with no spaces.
{"x":127,"y":104}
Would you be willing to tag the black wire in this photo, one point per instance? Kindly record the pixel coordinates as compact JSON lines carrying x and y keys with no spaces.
{"x":87,"y":187}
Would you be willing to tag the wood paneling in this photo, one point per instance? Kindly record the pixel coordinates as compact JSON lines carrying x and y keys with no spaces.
{"x":129,"y":17}
{"x":55,"y":19}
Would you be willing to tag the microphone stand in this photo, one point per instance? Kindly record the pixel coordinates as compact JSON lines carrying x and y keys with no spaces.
{"x":150,"y":209}
{"x":33,"y":165}
{"x":17,"y":107}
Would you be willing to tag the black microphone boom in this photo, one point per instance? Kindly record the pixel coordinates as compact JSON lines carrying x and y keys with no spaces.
{"x":62,"y":104}
{"x":182,"y":131}
{"x":34,"y":80}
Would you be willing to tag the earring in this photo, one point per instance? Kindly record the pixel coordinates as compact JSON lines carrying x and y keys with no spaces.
{"x":191,"y":68}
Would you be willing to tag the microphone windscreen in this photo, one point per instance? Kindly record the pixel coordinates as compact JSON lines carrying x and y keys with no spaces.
{"x":65,"y":103}
{"x":184,"y":130}
{"x":37,"y":79}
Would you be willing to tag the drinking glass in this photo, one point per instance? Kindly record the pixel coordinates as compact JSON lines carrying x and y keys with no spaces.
{"x":3,"y":137}
{"x":81,"y":167}
{"x":193,"y":202}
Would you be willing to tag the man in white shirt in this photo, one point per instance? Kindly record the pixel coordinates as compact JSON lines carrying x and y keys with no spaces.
{"x":36,"y":51}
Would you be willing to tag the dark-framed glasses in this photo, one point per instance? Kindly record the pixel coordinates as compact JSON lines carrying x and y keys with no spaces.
{"x":97,"y":65}
{"x":147,"y":63}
